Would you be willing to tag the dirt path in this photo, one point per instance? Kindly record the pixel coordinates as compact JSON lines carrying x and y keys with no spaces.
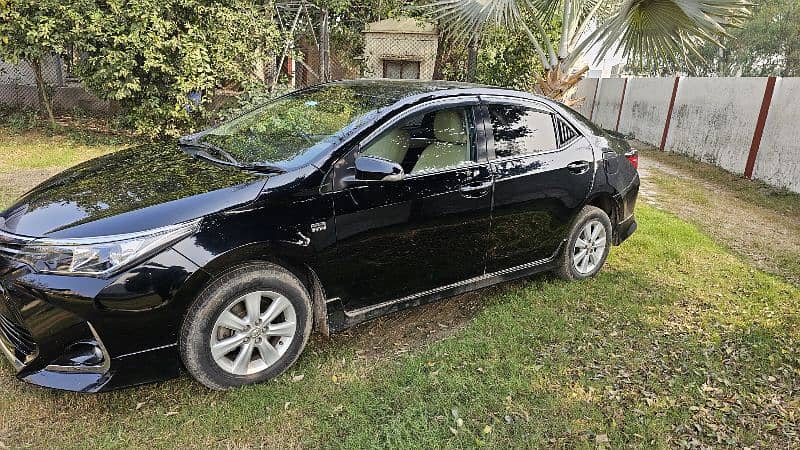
{"x":14,"y":184}
{"x":766,"y":237}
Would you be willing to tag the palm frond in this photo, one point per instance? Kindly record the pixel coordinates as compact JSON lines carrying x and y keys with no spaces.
{"x":658,"y":31}
{"x":462,"y":19}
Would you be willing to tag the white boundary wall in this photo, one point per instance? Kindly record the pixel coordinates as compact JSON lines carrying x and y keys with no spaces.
{"x":645,"y":107}
{"x":606,"y":106}
{"x":713,"y":120}
{"x":778,"y":161}
{"x":586,"y":90}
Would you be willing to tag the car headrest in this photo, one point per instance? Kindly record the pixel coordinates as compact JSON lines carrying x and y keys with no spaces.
{"x":448,"y":126}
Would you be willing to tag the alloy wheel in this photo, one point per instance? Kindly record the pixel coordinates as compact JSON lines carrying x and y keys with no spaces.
{"x":253,"y":332}
{"x":590,"y":247}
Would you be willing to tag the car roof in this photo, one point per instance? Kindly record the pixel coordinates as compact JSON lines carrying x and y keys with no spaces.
{"x":405,"y":92}
{"x":397,"y":94}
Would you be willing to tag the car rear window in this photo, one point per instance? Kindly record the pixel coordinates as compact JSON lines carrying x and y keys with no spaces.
{"x":520,"y":130}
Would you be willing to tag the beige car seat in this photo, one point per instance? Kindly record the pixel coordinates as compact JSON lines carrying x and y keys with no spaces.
{"x":451,"y":147}
{"x":392,"y":146}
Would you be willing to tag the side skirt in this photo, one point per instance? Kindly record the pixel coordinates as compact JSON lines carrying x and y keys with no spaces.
{"x":340,"y":319}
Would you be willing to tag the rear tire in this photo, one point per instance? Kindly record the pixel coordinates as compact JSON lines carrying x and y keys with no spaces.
{"x":587,"y":245}
{"x":246,"y":327}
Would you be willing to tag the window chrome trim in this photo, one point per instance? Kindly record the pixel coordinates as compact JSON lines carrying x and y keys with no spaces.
{"x":467,"y":100}
{"x":472,"y":165}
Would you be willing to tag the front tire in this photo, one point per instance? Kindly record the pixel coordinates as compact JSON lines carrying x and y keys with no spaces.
{"x":587,"y":246}
{"x":248,"y":326}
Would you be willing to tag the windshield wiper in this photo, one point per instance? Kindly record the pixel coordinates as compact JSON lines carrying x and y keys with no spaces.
{"x":263,"y":167}
{"x":229,"y":159}
{"x":198,"y":149}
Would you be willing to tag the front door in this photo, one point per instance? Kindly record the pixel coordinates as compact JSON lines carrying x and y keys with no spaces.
{"x":428,"y":230}
{"x":542,"y":178}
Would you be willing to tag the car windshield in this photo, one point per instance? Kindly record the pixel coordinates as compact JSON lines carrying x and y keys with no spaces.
{"x":293,"y":130}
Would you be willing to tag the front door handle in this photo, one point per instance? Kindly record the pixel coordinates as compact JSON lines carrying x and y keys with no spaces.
{"x":476,"y":189}
{"x":578,"y":167}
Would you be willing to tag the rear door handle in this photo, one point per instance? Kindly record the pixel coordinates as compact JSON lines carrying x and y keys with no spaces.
{"x":578,"y":167}
{"x":476,"y":189}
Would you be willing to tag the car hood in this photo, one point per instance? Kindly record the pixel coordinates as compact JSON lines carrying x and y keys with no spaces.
{"x":132,"y":190}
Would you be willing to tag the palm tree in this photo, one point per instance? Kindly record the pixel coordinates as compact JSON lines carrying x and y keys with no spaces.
{"x":643,"y":31}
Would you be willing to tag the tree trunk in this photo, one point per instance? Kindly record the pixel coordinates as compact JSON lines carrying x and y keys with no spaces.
{"x":44,"y":97}
{"x":441,"y":51}
{"x":472,"y":59}
{"x":325,"y":47}
{"x":558,"y":85}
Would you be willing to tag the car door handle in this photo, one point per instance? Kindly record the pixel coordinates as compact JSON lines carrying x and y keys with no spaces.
{"x":476,"y":189}
{"x":578,"y":167}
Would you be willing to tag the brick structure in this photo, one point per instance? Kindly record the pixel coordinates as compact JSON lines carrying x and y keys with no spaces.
{"x":400,"y":48}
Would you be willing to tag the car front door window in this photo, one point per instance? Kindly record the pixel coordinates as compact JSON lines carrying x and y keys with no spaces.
{"x":427,"y":142}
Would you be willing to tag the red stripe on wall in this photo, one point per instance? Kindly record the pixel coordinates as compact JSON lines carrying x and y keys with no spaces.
{"x":762,"y":120}
{"x":669,"y":113}
{"x":621,"y":102}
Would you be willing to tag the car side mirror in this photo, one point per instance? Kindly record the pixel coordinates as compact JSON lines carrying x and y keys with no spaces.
{"x":370,"y":169}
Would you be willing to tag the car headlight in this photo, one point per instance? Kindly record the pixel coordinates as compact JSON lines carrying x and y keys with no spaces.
{"x":100,"y":256}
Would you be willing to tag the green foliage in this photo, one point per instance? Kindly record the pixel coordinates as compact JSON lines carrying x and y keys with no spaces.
{"x":646,"y":32}
{"x":253,"y":94}
{"x":667,"y":31}
{"x":18,"y":121}
{"x":769,"y":44}
{"x":766,"y":44}
{"x":506,"y":58}
{"x":149,"y":55}
{"x":31,"y":30}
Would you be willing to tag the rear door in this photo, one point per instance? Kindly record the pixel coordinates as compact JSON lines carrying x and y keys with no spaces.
{"x":543,"y":171}
{"x":426,"y":231}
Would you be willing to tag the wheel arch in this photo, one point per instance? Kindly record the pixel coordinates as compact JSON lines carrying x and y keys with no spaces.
{"x":607,"y":202}
{"x":289,"y":260}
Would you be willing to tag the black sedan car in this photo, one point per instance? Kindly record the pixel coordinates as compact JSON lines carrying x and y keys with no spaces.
{"x":221,"y":253}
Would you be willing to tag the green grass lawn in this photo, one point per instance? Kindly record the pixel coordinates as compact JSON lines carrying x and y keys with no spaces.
{"x":29,"y":156}
{"x":676,"y":343}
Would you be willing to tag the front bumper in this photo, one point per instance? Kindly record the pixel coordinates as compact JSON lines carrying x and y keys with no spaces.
{"x":91,"y":335}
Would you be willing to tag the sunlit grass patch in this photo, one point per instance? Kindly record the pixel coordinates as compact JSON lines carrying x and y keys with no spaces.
{"x":677,"y":342}
{"x":36,"y":150}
